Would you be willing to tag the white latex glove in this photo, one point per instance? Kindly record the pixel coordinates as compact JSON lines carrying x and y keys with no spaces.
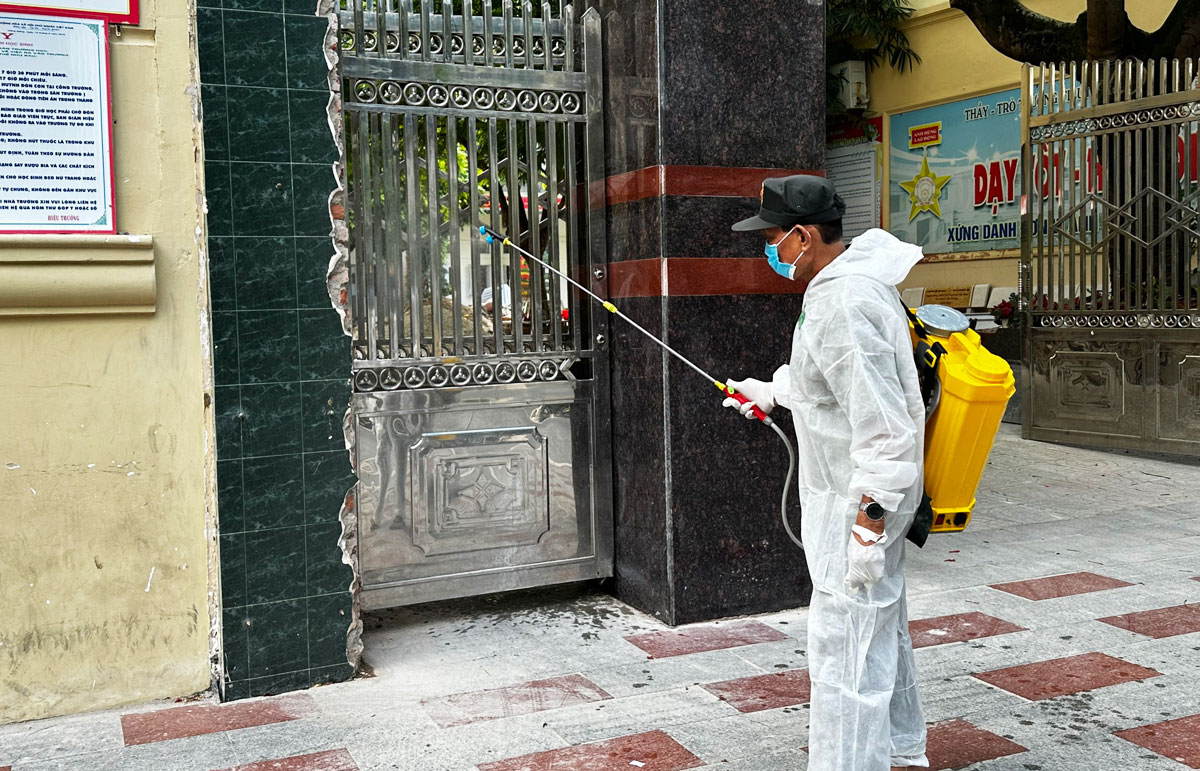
{"x":760,"y":393}
{"x":864,"y":564}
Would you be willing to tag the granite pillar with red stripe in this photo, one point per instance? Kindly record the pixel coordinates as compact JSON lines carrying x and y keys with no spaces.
{"x":703,"y":101}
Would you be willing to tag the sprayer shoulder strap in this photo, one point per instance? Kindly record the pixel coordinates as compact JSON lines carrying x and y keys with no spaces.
{"x":928,"y":355}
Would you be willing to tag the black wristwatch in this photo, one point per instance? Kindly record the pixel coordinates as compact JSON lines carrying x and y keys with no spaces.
{"x":873,"y":510}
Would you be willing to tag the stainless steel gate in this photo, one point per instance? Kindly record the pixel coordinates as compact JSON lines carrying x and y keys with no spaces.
{"x":481,"y":384}
{"x":1109,"y":264}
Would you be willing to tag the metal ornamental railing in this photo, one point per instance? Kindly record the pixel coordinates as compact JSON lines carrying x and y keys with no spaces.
{"x":453,"y":119}
{"x":1110,"y":175}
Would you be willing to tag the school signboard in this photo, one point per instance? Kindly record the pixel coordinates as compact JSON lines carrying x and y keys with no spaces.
{"x":955,"y":181}
{"x":113,"y":11}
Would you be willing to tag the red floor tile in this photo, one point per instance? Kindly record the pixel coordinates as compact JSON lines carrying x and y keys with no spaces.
{"x":1061,"y":586}
{"x":957,"y":628}
{"x":330,"y":760}
{"x":1163,"y":622}
{"x":1059,"y":677}
{"x":710,"y":638}
{"x":655,"y":749}
{"x":1176,"y":739}
{"x":958,"y":743}
{"x":535,"y":696}
{"x":195,"y":720}
{"x":754,"y":694}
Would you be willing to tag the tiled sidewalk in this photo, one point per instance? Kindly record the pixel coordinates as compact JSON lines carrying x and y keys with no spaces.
{"x":1060,"y":633}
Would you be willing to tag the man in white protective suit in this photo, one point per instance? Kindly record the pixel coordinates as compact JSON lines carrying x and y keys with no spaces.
{"x":853,"y":391}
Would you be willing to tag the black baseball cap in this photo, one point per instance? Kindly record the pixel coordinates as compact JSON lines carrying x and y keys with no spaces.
{"x":801,"y":199}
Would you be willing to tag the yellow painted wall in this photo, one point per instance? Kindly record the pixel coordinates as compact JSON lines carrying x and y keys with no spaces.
{"x":104,"y":554}
{"x":956,"y":63}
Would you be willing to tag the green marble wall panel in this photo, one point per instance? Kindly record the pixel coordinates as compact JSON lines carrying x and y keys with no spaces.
{"x":281,"y":363}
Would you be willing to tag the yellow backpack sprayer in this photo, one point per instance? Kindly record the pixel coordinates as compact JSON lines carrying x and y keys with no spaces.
{"x":965,"y":387}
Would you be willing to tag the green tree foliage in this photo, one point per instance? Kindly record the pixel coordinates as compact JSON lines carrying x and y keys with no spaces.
{"x":867,"y":30}
{"x":1103,"y":31}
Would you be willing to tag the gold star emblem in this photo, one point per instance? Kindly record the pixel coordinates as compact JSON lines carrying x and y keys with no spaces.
{"x":924,"y":190}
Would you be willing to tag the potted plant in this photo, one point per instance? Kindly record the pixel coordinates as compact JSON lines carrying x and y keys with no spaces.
{"x":1005,"y":339}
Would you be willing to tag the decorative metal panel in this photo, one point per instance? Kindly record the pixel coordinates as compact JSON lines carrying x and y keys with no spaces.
{"x":480,"y":380}
{"x":1086,"y":385}
{"x":1178,"y":402}
{"x":479,"y":487}
{"x":1110,"y":249}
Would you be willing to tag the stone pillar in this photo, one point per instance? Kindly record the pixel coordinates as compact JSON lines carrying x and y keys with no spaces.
{"x":704,"y":100}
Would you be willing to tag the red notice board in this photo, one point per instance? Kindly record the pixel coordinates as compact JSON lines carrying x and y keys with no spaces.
{"x":112,"y":11}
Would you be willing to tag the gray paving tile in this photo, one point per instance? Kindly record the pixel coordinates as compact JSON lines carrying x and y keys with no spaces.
{"x":721,"y":740}
{"x":60,"y":737}
{"x":654,"y":675}
{"x":634,"y":714}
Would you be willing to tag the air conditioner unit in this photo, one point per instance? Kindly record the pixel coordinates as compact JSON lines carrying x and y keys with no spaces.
{"x":853,"y":75}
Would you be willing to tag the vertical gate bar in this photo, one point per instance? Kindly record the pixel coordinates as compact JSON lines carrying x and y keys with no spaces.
{"x":1026,"y":211}
{"x":1140,"y":175}
{"x":568,"y":20}
{"x":1108,"y":146}
{"x":515,"y":207}
{"x":1176,"y":191}
{"x":594,"y":151}
{"x":1040,"y":179}
{"x":476,"y":290}
{"x":1056,"y":190}
{"x":508,"y":33}
{"x":1189,"y":158}
{"x":367,"y":244}
{"x":1053,"y":178}
{"x":412,"y":146}
{"x":362,"y":230}
{"x":353,"y":117}
{"x":468,"y":33}
{"x":388,"y":234}
{"x":1087,"y":280}
{"x":396,"y":233}
{"x":447,"y":31}
{"x":360,"y":27}
{"x":527,"y":19}
{"x":574,"y":252}
{"x":1059,"y":193}
{"x":379,"y":233}
{"x":1072,"y":162}
{"x":455,"y":237}
{"x":488,"y":39}
{"x":434,"y":260}
{"x":547,"y":38}
{"x":496,"y":252}
{"x":1093,"y":189}
{"x":532,"y":157}
{"x":555,"y":310}
{"x":426,"y":54}
{"x":1162,"y":130}
{"x":1125,"y":69}
{"x":381,"y":28}
{"x":403,"y":8}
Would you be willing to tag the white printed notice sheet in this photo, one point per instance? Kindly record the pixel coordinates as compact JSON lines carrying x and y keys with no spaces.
{"x":55,"y":128}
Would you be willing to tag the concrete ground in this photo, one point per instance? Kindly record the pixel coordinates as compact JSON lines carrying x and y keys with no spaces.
{"x":1093,"y":668}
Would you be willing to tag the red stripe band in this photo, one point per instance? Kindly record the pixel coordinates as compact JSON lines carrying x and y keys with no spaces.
{"x":696,"y":276}
{"x":721,"y":181}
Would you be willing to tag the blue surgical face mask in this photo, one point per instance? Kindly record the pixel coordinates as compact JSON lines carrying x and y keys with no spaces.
{"x":786,"y":270}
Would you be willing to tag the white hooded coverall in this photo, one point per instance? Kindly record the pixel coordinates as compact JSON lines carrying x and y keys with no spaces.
{"x":852,"y":388}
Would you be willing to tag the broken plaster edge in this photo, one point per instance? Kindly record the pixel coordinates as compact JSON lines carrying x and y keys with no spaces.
{"x":216,"y":650}
{"x":337,"y":279}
